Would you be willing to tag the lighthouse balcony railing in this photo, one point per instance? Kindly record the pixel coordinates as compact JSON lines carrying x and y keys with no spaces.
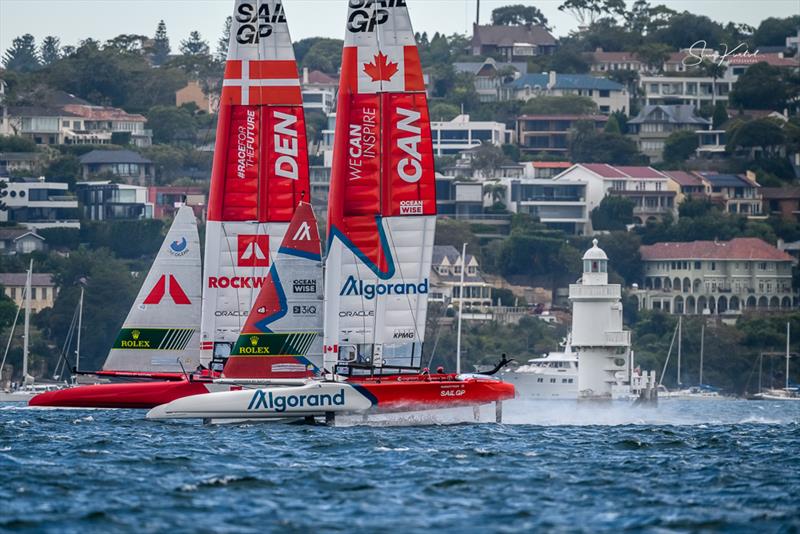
{"x":618,"y":339}
{"x":610,"y":291}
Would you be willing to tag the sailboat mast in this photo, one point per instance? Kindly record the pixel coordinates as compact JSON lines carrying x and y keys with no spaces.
{"x":788,"y":337}
{"x":78,"y":343}
{"x":702,"y":347}
{"x":680,"y":335}
{"x":460,"y":307}
{"x":26,"y":331}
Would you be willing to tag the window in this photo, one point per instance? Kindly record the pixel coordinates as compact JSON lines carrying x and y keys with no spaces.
{"x":540,"y":380}
{"x":552,"y":380}
{"x":697,"y":265}
{"x":605,"y":93}
{"x":713,"y":266}
{"x":33,"y":293}
{"x":13,"y":293}
{"x":563,"y":380}
{"x":571,"y":380}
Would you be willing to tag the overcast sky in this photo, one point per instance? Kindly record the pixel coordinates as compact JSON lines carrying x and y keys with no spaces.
{"x":73,"y":20}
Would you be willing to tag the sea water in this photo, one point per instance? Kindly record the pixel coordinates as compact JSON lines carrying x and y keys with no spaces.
{"x":554,"y":466}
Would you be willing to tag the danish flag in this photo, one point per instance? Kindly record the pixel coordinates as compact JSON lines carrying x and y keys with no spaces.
{"x":253,"y":251}
{"x":176,"y":292}
{"x":261,"y":82}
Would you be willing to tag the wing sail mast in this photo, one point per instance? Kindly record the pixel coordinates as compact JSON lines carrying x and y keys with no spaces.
{"x":382,"y":203}
{"x":260,"y":170}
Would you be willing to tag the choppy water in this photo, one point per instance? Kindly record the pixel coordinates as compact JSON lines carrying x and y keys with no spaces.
{"x":685,"y":466}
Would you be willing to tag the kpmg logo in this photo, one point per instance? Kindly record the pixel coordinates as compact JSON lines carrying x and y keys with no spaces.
{"x":266,"y":400}
{"x":179,"y":248}
{"x":358,"y":288}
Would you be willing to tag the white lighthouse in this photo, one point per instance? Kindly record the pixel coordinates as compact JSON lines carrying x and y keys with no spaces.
{"x":602,"y":345}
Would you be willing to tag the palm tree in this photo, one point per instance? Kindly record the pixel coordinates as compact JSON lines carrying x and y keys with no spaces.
{"x":715,"y":70}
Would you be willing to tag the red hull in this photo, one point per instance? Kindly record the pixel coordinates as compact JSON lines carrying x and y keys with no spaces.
{"x":416,"y":392}
{"x":142,"y":395}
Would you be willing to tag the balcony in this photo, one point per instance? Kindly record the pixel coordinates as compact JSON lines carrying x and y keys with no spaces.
{"x":618,"y":339}
{"x":583,"y":292}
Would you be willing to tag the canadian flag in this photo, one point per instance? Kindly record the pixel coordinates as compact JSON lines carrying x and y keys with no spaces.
{"x":388,"y":69}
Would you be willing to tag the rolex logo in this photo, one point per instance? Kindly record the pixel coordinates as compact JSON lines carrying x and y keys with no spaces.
{"x":254,"y":341}
{"x":135,"y":334}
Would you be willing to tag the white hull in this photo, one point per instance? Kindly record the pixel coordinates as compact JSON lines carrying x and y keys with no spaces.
{"x":313,"y":399}
{"x":543,"y":385}
{"x":16,"y":396}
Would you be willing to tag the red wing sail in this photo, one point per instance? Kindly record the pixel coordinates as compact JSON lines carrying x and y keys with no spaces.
{"x":260,"y":171}
{"x":281,"y":336}
{"x":382,"y":203}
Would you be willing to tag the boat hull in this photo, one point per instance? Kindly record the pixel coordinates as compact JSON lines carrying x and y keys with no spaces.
{"x":319,"y":398}
{"x":136,"y":395}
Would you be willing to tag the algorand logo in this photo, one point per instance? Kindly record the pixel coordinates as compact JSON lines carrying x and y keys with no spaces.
{"x":267,"y":400}
{"x":354,"y":287}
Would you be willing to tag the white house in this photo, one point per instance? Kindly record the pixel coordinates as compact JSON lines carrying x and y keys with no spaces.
{"x":460,"y":134}
{"x":648,"y":188}
{"x":37,"y":204}
{"x":608,"y":95}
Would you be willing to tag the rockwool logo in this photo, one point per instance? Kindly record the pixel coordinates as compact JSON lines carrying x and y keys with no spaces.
{"x":253,"y":250}
{"x":353,"y":287}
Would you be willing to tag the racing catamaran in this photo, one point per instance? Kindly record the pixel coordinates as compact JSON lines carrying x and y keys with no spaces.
{"x":159,"y":339}
{"x":381,"y":222}
{"x":259,"y":177}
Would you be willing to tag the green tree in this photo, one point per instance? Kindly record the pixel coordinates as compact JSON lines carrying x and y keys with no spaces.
{"x":13,"y":143}
{"x":518,"y":15}
{"x":560,"y":105}
{"x":720,"y":115}
{"x":194,"y":45}
{"x":613,"y":213}
{"x":161,"y":49}
{"x":22,"y":56}
{"x":441,"y":111}
{"x":50,"y":50}
{"x":654,"y":55}
{"x":765,"y":134}
{"x":685,"y":29}
{"x":587,"y":11}
{"x":587,"y":145}
{"x":171,"y":124}
{"x":66,"y":168}
{"x":488,"y":158}
{"x":773,"y":31}
{"x":680,"y":146}
{"x":612,"y":126}
{"x":624,"y":258}
{"x":324,"y":55}
{"x":130,"y":43}
{"x":762,"y":86}
{"x":456,"y":233}
{"x":224,"y":41}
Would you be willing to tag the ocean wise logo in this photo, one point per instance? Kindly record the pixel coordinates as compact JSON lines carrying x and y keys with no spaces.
{"x":357,"y":288}
{"x":179,"y":248}
{"x":267,"y":400}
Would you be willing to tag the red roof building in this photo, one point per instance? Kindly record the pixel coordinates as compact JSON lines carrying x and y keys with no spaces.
{"x":716,"y":277}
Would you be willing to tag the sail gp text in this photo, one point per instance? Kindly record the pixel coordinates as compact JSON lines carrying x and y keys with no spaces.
{"x":280,"y":403}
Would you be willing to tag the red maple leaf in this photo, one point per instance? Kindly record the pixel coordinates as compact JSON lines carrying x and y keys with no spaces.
{"x":381,"y":68}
